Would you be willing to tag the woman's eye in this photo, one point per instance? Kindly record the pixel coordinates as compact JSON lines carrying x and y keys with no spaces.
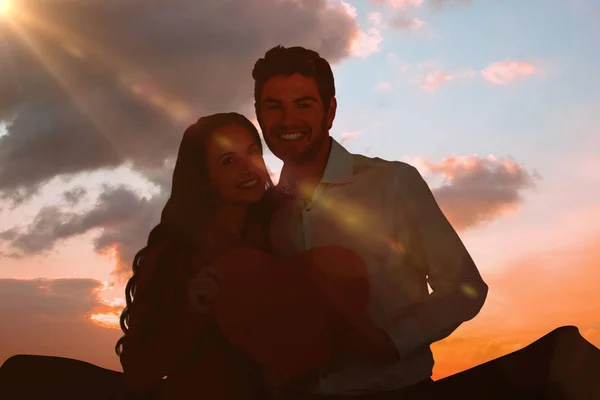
{"x":227,"y":160}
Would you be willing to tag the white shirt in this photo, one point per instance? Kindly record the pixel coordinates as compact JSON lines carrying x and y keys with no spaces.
{"x":385,"y":212}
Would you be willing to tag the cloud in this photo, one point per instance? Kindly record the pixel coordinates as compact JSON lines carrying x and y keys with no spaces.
{"x":123,"y":218}
{"x":398,"y":4}
{"x":384,"y":86}
{"x":402,"y":21}
{"x":97,"y":84}
{"x":375,"y":18}
{"x":477,"y":190}
{"x":366,"y":43}
{"x":75,"y":195}
{"x":53,"y":317}
{"x":439,"y":4}
{"x":346,"y":136}
{"x":435,"y":79}
{"x":504,"y":72}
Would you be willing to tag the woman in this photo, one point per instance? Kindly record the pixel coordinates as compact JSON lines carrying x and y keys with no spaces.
{"x":217,"y":203}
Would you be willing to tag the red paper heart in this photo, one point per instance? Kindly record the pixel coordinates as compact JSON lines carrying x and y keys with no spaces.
{"x":281,"y":312}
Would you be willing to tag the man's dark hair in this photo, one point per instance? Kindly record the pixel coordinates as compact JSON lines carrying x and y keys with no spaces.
{"x":294,"y":60}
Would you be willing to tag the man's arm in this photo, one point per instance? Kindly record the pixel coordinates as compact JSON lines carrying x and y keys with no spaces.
{"x":458,"y":291}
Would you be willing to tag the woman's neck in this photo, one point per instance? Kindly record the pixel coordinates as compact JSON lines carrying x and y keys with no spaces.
{"x":230,"y":219}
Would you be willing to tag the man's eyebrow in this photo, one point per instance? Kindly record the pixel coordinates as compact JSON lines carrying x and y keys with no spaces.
{"x":298,"y":100}
{"x":306,"y":98}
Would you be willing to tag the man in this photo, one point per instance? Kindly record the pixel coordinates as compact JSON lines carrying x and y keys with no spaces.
{"x":382,"y":210}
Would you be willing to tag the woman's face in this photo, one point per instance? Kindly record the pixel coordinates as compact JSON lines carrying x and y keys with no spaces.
{"x":236,"y":168}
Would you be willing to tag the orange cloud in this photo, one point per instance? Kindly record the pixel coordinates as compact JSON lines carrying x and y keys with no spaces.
{"x":529,"y":298}
{"x":504,"y":72}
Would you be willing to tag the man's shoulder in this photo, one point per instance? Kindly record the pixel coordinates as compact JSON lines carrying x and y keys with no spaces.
{"x":392,"y":169}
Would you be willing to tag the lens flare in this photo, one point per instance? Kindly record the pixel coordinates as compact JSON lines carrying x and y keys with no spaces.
{"x":5,"y":8}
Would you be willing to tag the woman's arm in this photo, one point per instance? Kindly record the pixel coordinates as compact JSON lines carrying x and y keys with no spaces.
{"x":158,"y":340}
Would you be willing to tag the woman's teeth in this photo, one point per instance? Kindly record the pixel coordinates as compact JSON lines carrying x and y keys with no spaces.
{"x":292,"y":136}
{"x":249,"y":183}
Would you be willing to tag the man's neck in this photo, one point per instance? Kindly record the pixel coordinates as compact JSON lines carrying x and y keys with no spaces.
{"x":304,"y":178}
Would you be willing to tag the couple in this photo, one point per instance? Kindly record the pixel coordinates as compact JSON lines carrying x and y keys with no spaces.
{"x":314,"y":289}
{"x":374,"y":225}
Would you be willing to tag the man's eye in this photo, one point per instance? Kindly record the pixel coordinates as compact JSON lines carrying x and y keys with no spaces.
{"x":303,"y":105}
{"x":273,"y":107}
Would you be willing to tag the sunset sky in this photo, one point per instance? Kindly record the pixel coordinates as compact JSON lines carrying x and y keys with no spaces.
{"x":497,"y":103}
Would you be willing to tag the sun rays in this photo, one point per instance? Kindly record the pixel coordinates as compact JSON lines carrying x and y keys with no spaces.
{"x":62,"y":52}
{"x":6,"y":8}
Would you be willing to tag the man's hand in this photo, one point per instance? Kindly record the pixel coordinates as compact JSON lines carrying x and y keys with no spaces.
{"x":371,"y":344}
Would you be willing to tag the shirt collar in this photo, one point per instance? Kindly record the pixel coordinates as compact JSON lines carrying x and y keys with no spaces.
{"x":339,"y":169}
{"x":340,"y":165}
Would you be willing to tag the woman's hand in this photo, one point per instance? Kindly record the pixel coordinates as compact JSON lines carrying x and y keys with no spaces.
{"x":202,"y":288}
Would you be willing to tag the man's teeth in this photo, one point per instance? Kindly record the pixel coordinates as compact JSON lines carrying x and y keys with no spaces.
{"x":292,"y":136}
{"x":249,"y":183}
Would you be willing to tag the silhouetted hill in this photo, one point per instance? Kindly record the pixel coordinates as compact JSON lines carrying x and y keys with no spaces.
{"x":560,"y":365}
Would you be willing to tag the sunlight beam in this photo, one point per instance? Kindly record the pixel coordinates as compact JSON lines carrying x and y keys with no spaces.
{"x":6,"y":8}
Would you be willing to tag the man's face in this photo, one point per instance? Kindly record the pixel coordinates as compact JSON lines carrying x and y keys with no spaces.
{"x":292,"y":118}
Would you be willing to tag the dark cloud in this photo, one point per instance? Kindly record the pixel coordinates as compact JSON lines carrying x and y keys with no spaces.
{"x":123,"y":217}
{"x":51,"y":317}
{"x":477,"y":190}
{"x":97,"y":83}
{"x":74,"y":195}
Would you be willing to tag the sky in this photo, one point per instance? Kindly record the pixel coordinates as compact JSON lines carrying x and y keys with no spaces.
{"x":496,"y":102}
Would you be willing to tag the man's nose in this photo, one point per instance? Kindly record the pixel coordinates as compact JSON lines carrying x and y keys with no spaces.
{"x":289,"y":116}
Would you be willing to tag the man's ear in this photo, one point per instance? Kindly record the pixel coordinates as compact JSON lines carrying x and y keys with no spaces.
{"x":331,"y":112}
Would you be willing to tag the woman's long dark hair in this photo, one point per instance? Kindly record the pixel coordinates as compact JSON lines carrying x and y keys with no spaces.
{"x":189,"y":206}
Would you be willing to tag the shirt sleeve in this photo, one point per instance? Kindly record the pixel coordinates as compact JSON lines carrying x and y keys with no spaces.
{"x":458,"y":291}
{"x":152,"y":351}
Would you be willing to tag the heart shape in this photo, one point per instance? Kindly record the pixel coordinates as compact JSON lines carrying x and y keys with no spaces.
{"x":281,"y":312}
